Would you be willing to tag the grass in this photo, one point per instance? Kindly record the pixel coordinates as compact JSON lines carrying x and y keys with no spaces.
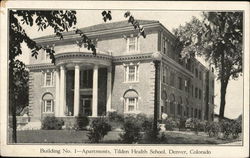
{"x":71,"y":136}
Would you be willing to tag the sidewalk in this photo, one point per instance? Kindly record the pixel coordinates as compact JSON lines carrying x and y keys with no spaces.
{"x":234,"y":143}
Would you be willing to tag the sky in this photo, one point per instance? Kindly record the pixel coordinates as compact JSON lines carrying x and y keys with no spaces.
{"x":171,"y":20}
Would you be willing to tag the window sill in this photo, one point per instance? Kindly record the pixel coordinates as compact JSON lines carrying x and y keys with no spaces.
{"x":48,"y":112}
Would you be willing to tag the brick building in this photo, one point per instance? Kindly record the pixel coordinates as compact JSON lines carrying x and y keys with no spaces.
{"x":120,"y":77}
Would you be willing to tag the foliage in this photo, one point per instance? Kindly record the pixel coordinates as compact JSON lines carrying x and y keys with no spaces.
{"x":99,"y":127}
{"x":218,"y":38}
{"x":132,"y":130}
{"x":81,"y":122}
{"x":230,"y":128}
{"x":182,"y":124}
{"x":212,"y":128}
{"x":148,"y":129}
{"x":52,"y":123}
{"x":170,"y":124}
{"x":115,"y":116}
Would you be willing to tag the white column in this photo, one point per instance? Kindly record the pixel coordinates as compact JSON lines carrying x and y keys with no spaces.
{"x":109,"y":84}
{"x":95,"y":91}
{"x":62,"y":90}
{"x":57,"y":107}
{"x":77,"y":90}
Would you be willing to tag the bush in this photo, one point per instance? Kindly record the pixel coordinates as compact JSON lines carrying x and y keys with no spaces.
{"x":212,"y":128}
{"x":132,"y":130}
{"x":182,"y":125}
{"x":226,"y":128}
{"x":99,"y":127}
{"x":170,"y":124}
{"x":148,"y":129}
{"x":236,"y":126}
{"x":52,"y":123}
{"x":116,"y":117}
{"x":81,"y":122}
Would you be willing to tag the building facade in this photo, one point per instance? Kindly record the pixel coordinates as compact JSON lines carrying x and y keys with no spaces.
{"x":121,"y":77}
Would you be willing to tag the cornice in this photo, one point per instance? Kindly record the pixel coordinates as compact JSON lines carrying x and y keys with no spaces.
{"x":41,"y":66}
{"x":95,"y":34}
{"x":135,"y":57}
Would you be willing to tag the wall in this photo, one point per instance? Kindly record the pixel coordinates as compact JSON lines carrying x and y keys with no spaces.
{"x":145,"y":87}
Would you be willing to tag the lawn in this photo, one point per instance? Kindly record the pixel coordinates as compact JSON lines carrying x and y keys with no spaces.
{"x":71,"y":136}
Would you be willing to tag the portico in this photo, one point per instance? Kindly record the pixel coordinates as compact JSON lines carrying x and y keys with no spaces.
{"x":80,"y":89}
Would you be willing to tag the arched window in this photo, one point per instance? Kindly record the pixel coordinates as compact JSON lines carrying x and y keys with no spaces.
{"x":165,"y":98}
{"x":48,"y":103}
{"x":130,"y":101}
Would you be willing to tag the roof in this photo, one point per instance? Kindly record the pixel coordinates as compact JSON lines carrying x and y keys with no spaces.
{"x":104,"y":26}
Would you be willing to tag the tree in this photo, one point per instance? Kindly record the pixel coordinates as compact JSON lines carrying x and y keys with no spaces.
{"x":60,"y":21}
{"x":218,"y":38}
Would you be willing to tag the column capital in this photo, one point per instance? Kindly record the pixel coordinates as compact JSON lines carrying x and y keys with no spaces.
{"x":77,"y":66}
{"x":62,"y":67}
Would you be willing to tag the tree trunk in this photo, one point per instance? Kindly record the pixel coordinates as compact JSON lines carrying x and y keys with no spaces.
{"x":12,"y":104}
{"x":223,"y":91}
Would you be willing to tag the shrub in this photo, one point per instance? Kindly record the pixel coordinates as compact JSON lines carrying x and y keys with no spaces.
{"x":236,"y":126}
{"x":52,"y":123}
{"x":81,"y":122}
{"x":148,"y":129}
{"x":202,"y":126}
{"x":116,"y":117}
{"x":212,"y":128}
{"x":132,"y":130}
{"x":226,"y":128}
{"x":99,"y":127}
{"x":182,"y":124}
{"x":170,"y":124}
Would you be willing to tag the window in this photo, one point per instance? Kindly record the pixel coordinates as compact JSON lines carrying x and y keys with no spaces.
{"x":180,"y":83}
{"x":48,"y":79}
{"x":195,"y":113}
{"x":192,"y":112}
{"x":48,"y":103}
{"x":196,"y":92}
{"x":133,"y":44}
{"x":212,"y":83}
{"x":192,"y":89}
{"x":172,"y":79}
{"x":172,"y":107}
{"x":200,"y":94}
{"x":131,"y":73}
{"x":165,"y":46}
{"x":199,"y":114}
{"x":200,"y":75}
{"x":131,"y":104}
{"x":48,"y":106}
{"x":187,"y":84}
{"x":196,"y":73}
{"x":187,"y":111}
{"x":131,"y":101}
{"x":164,"y":75}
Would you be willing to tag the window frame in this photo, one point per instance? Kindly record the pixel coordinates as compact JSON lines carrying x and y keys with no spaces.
{"x":45,"y":104}
{"x":51,"y":83}
{"x":127,"y":73}
{"x":136,"y":44}
{"x":127,"y":104}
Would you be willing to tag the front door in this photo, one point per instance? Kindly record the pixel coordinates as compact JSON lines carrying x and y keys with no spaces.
{"x":87,"y":106}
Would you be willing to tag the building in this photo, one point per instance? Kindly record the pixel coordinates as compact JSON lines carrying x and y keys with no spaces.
{"x":121,"y":77}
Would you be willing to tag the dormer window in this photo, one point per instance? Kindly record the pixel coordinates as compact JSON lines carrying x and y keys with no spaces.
{"x":132,"y":44}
